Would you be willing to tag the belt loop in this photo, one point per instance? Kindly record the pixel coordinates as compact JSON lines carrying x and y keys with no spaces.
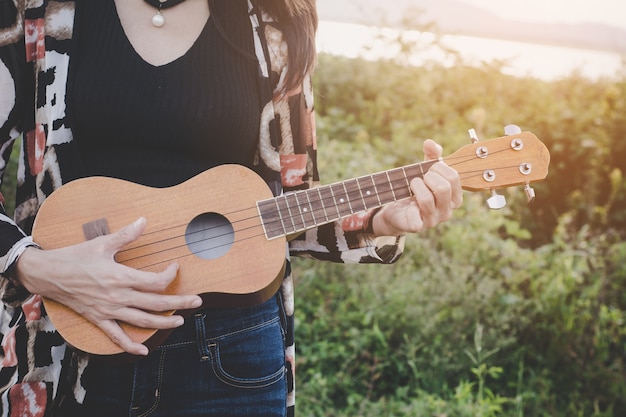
{"x":203,"y":348}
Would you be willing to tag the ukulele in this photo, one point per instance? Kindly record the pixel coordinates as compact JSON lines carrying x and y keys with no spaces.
{"x":227,"y":231}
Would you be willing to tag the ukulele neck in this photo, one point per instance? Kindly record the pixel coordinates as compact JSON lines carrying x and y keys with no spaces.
{"x":302,"y":210}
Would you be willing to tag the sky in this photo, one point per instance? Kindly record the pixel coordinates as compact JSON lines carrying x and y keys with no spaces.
{"x":612,"y":12}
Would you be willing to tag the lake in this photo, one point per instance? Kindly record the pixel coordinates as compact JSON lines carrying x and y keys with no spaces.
{"x":546,"y":62}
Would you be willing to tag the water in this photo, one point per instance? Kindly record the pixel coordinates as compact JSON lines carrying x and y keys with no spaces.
{"x":546,"y":62}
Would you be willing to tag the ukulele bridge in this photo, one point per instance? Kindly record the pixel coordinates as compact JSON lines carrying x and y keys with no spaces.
{"x":95,"y":228}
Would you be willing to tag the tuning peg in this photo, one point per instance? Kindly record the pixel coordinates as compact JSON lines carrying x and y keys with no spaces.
{"x":473,"y":136}
{"x":530,"y":193}
{"x":496,"y":201}
{"x":512,"y":130}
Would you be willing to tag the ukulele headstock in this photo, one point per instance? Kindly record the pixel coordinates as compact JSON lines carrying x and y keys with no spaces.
{"x":518,"y":158}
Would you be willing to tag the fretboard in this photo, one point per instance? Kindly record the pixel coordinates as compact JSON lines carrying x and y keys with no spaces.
{"x":302,"y":210}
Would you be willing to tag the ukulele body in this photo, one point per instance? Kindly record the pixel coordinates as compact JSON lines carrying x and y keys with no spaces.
{"x":209,"y":225}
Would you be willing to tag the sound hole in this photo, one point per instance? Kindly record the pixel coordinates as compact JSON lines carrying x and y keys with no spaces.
{"x":209,"y":236}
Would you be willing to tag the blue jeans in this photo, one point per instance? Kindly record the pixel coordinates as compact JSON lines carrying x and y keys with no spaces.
{"x":219,"y":363}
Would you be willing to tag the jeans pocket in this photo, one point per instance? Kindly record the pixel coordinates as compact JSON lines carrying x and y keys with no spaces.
{"x":251,"y":358}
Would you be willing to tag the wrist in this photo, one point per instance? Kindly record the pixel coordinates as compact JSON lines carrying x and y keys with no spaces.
{"x":16,"y":291}
{"x":370,"y":228}
{"x":22,"y":264}
{"x":14,"y":255}
{"x":380,"y":226}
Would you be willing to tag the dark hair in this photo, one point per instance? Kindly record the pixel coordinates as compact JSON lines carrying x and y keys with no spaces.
{"x":297,"y":19}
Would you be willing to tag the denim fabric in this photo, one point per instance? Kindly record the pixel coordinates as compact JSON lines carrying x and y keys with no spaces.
{"x":219,"y":363}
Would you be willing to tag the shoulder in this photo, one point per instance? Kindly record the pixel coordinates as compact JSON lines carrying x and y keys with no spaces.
{"x":270,"y":46}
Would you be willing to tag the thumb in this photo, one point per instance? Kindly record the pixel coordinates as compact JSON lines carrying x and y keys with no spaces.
{"x":432,"y":150}
{"x":128,"y":233}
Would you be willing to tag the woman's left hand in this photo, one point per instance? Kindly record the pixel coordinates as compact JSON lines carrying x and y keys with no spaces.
{"x":434,"y":198}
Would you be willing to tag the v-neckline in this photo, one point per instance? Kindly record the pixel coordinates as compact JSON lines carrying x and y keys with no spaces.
{"x":142,"y":58}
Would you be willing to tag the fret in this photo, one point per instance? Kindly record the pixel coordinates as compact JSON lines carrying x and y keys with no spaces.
{"x":271,"y":218}
{"x":414,"y":171}
{"x":347,"y":197}
{"x":425,"y":166}
{"x":357,"y":203}
{"x":399,"y":183}
{"x":305,"y":209}
{"x":329,"y":202}
{"x":295,"y":214}
{"x":285,"y":214}
{"x":407,"y":179}
{"x":369,"y":193}
{"x":384,"y":190}
{"x":318,"y":203}
{"x":341,"y":199}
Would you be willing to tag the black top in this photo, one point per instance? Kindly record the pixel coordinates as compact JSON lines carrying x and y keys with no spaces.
{"x":160,"y":125}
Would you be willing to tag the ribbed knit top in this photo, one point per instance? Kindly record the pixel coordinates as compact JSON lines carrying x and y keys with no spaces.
{"x":160,"y":125}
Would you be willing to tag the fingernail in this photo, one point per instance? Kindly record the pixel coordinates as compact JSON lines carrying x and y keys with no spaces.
{"x":197,"y":302}
{"x":179,"y":321}
{"x":143,"y":351}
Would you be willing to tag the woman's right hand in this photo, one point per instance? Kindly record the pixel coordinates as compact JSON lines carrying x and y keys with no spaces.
{"x":86,"y":278}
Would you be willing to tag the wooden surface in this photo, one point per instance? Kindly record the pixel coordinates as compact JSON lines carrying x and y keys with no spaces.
{"x":248,"y":273}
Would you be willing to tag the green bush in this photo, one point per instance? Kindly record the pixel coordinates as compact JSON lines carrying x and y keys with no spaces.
{"x":518,"y":312}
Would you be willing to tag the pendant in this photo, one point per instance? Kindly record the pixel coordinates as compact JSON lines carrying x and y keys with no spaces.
{"x":158,"y":20}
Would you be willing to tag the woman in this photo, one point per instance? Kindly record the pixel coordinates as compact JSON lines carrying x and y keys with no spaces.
{"x":155,"y":92}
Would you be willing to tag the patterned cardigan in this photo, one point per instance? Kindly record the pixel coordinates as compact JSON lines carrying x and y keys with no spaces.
{"x":36,"y":38}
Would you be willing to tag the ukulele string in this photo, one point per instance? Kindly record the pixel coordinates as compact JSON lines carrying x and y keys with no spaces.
{"x":291,"y":218}
{"x":178,"y":226}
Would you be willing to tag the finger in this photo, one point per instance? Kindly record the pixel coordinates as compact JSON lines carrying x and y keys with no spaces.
{"x":151,"y":281}
{"x":150,"y":285}
{"x":127,"y":234}
{"x":425,"y":202}
{"x":160,"y":302}
{"x":452,"y":177}
{"x":432,"y":150}
{"x":441,"y":190}
{"x":148,"y":320}
{"x":113,"y":330}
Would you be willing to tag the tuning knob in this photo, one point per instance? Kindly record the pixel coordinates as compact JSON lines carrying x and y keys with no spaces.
{"x":530,"y":193}
{"x":512,"y":130}
{"x":496,"y":201}
{"x":473,"y":136}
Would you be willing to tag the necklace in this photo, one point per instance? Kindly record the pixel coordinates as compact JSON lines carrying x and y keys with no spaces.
{"x":158,"y":20}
